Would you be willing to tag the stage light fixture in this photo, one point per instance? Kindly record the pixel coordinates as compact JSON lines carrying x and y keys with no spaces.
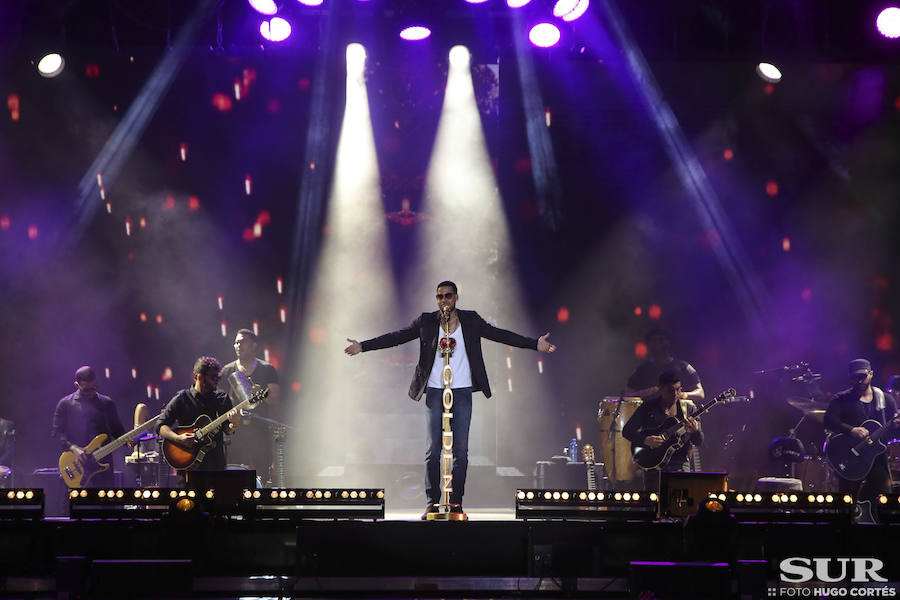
{"x":51,"y":65}
{"x":275,"y":29}
{"x":569,"y":10}
{"x":768,"y":72}
{"x":886,"y":508}
{"x":517,"y":3}
{"x":305,"y":503}
{"x":786,"y":506}
{"x":888,"y":22}
{"x":311,"y":2}
{"x":265,"y":7}
{"x":356,"y":59}
{"x":586,"y":504}
{"x":544,"y":35}
{"x":415,"y":33}
{"x":135,"y":503}
{"x":22,"y":503}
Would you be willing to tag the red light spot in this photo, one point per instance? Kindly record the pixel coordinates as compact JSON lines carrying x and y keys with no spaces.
{"x":274,"y":106}
{"x":257,"y":230}
{"x":640,"y":350}
{"x":897,"y":103}
{"x":249,"y":76}
{"x":32,"y":232}
{"x":638,"y":311}
{"x":654,"y":312}
{"x":4,"y":222}
{"x":131,"y":256}
{"x":143,"y":317}
{"x":769,"y":89}
{"x":881,"y":283}
{"x":159,"y":319}
{"x":317,"y":335}
{"x":12,"y":103}
{"x":276,"y":362}
{"x":193,"y":203}
{"x":296,"y":387}
{"x":885,"y":342}
{"x":221,"y":102}
{"x":523,"y":164}
{"x":167,"y":374}
{"x":169,"y":202}
{"x":772,"y":188}
{"x":728,"y":154}
{"x":786,"y":244}
{"x":247,"y":235}
{"x":92,"y":71}
{"x":264,"y":218}
{"x":562,"y":315}
{"x":304,"y":84}
{"x":143,"y":223}
{"x":806,"y":294}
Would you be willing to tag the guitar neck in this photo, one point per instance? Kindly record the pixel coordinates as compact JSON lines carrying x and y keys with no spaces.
{"x":121,"y":441}
{"x":214,"y":426}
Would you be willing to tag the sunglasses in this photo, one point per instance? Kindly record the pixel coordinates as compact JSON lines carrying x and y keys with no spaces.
{"x":447,"y":296}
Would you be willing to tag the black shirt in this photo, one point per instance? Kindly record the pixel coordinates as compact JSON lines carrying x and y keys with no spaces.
{"x":846,"y":411}
{"x":184,"y":409}
{"x":651,"y":414}
{"x":263,"y":374}
{"x":78,"y":419}
{"x":647,"y":375}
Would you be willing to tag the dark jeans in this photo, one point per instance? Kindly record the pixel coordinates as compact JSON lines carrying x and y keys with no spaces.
{"x":462,"y":417}
{"x":878,"y":481}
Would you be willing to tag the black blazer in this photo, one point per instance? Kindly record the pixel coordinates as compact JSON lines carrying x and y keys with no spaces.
{"x":425,"y":327}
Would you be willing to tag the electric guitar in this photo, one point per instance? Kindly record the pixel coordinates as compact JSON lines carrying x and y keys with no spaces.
{"x":852,"y":457}
{"x":674,"y":436}
{"x":204,"y":430}
{"x":77,"y":473}
{"x":588,"y":452}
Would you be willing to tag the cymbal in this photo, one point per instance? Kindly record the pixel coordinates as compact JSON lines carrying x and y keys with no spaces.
{"x":817,"y":415}
{"x":806,"y":404}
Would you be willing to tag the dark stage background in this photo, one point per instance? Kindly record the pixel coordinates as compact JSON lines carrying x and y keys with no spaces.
{"x":805,"y":172}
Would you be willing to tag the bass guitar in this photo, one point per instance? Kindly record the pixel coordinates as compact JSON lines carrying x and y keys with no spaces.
{"x":852,"y":457}
{"x":204,"y":429}
{"x":674,"y":436}
{"x":77,"y":473}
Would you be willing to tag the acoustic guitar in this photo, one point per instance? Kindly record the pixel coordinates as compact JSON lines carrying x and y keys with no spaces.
{"x":852,"y":457}
{"x":204,"y":429}
{"x":674,"y":434}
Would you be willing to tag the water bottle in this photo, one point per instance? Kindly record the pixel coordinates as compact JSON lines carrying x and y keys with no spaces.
{"x":573,"y":450}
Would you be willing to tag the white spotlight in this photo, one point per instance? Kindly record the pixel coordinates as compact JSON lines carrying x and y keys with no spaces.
{"x":459,"y":56}
{"x":356,"y":58}
{"x":51,"y":65}
{"x":768,"y":72}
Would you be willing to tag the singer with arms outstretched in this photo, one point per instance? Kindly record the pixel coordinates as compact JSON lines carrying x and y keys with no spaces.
{"x":469,"y":375}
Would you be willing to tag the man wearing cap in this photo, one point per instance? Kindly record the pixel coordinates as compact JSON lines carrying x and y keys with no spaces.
{"x":846,"y":413}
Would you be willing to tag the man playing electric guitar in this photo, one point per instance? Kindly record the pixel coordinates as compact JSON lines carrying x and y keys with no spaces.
{"x":82,"y":416}
{"x":200,"y":399}
{"x":669,"y":402}
{"x":851,"y":413}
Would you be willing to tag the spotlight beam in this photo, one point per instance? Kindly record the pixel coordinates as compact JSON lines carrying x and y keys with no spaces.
{"x":127,"y":133}
{"x":544,"y":171}
{"x":730,"y":253}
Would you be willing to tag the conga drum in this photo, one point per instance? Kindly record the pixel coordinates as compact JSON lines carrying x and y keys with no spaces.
{"x":615,"y":450}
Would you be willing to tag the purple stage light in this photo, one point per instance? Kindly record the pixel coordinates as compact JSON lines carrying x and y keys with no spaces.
{"x":569,"y":10}
{"x":275,"y":30}
{"x":517,"y":3}
{"x":266,"y":7}
{"x":415,"y":33}
{"x":888,"y":22}
{"x":544,"y":35}
{"x":476,"y":1}
{"x":311,"y":2}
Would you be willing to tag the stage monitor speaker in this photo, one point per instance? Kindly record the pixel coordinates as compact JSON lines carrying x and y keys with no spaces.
{"x":682,"y":493}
